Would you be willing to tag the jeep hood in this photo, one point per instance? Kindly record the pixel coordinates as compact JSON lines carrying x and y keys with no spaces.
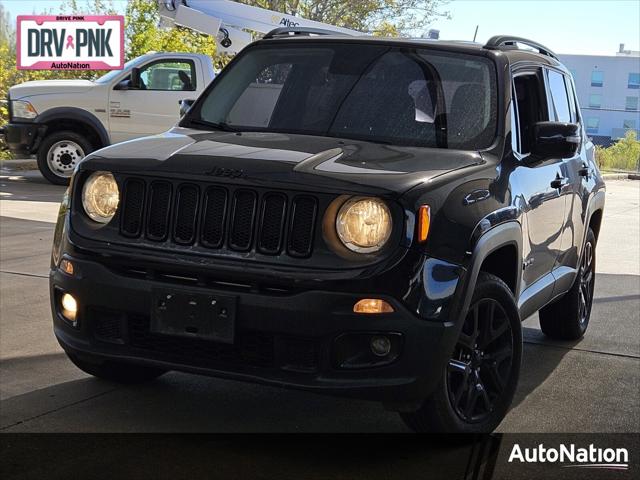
{"x":42,"y":87}
{"x":281,"y":160}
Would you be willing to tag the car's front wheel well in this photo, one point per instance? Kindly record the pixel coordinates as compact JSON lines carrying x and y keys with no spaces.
{"x":77,"y":126}
{"x":503,"y":263}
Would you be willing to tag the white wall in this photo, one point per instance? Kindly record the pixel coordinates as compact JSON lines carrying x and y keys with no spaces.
{"x":614,"y":90}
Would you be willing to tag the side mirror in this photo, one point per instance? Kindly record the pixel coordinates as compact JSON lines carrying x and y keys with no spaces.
{"x":123,"y":85}
{"x":555,"y":140}
{"x":135,"y":78}
{"x":185,"y":105}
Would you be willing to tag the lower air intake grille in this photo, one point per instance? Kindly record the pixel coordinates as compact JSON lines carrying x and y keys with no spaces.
{"x":250,"y":348}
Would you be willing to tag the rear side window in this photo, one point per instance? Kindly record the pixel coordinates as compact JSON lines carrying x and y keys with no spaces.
{"x":572,"y":100}
{"x":559,"y":109}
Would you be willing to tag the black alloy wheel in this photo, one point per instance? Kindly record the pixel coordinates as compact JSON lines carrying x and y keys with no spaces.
{"x":480,"y":377}
{"x":567,"y":318}
{"x":481,"y":364}
{"x":586,"y":276}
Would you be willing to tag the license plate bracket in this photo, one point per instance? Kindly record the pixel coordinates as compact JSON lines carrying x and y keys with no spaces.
{"x":191,"y":314}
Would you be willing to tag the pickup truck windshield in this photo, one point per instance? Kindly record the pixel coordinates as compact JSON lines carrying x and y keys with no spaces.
{"x":379,"y":93}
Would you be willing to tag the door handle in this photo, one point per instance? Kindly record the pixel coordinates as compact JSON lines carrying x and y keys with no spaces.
{"x":559,"y":182}
{"x":585,"y":171}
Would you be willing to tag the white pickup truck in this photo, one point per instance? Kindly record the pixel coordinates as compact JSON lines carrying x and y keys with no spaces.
{"x":63,"y":120}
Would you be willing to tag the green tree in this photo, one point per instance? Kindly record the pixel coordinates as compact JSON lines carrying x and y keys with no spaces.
{"x":622,"y":155}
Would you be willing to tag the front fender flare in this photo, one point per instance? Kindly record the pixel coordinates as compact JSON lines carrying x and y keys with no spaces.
{"x":504,"y":234}
{"x":77,"y":114}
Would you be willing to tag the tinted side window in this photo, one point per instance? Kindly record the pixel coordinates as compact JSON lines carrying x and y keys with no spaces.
{"x":559,"y":108}
{"x":530,"y":104}
{"x":573,"y":106}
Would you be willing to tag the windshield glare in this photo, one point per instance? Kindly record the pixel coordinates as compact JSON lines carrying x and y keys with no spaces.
{"x":402,"y":96}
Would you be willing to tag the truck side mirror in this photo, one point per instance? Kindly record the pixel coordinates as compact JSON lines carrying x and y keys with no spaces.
{"x":555,"y":140}
{"x":135,"y":78}
{"x":123,"y":84}
{"x":185,"y":105}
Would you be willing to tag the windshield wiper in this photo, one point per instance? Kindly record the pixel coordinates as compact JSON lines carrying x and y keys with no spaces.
{"x":216,"y":126}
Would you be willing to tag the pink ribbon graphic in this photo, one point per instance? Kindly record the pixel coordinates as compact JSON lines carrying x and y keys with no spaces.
{"x":69,"y":42}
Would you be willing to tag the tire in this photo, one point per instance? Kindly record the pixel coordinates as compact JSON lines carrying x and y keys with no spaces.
{"x":115,"y":371}
{"x":568,"y":317}
{"x":59,"y":153}
{"x":479,"y":381}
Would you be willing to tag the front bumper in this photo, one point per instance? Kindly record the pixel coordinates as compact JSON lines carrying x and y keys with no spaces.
{"x":24,"y":138}
{"x":286,"y":339}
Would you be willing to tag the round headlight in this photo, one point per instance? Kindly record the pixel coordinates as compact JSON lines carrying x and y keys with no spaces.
{"x":364,"y":224}
{"x":100,"y":197}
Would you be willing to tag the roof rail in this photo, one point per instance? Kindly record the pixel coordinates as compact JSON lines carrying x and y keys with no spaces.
{"x":305,"y":31}
{"x":509,"y":41}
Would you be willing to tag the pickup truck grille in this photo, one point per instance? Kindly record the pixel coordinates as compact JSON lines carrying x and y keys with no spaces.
{"x":216,"y":217}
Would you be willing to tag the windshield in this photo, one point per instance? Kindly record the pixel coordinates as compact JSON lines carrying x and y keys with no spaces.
{"x":401,"y":96}
{"x":112,"y":74}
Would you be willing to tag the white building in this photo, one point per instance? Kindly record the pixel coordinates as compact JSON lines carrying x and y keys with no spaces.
{"x":608,"y":88}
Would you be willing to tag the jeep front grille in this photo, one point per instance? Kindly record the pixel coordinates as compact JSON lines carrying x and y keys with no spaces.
{"x":216,"y":217}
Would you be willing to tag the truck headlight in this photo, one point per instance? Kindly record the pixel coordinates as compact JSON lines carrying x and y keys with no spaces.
{"x":100,"y":197}
{"x":364,"y":224}
{"x":22,"y":109}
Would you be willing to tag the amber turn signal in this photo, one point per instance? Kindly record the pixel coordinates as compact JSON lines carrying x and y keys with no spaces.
{"x":424,"y":221}
{"x":372,"y":305}
{"x":66,"y":266}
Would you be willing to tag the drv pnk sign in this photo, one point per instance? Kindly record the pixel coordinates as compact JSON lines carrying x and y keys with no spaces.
{"x":70,"y":42}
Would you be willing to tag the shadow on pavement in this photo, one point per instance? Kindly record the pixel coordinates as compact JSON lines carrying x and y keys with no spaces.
{"x":19,"y":185}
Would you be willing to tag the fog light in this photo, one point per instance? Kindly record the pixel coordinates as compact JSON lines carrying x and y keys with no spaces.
{"x":372,"y":305}
{"x":66,"y":266}
{"x":380,"y":346}
{"x":69,"y":307}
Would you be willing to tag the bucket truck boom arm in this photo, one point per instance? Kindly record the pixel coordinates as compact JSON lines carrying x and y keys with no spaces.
{"x":227,"y":20}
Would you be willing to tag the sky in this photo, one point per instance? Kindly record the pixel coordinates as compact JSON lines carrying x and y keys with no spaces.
{"x":589,"y":27}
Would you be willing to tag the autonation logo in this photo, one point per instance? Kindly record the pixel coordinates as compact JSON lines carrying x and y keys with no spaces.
{"x":573,"y":457}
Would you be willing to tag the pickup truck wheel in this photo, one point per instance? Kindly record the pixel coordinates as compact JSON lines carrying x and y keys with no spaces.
{"x":59,"y":154}
{"x":479,"y":381}
{"x":115,"y":371}
{"x":568,"y":317}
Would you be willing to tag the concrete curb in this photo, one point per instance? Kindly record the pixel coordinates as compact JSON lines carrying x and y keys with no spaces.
{"x":621,"y":176}
{"x":20,"y":164}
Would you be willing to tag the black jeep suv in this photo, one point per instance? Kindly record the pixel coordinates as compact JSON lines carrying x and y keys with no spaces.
{"x":357,"y":216}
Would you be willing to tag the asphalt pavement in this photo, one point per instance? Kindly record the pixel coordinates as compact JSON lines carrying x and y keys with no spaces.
{"x":587,"y":386}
